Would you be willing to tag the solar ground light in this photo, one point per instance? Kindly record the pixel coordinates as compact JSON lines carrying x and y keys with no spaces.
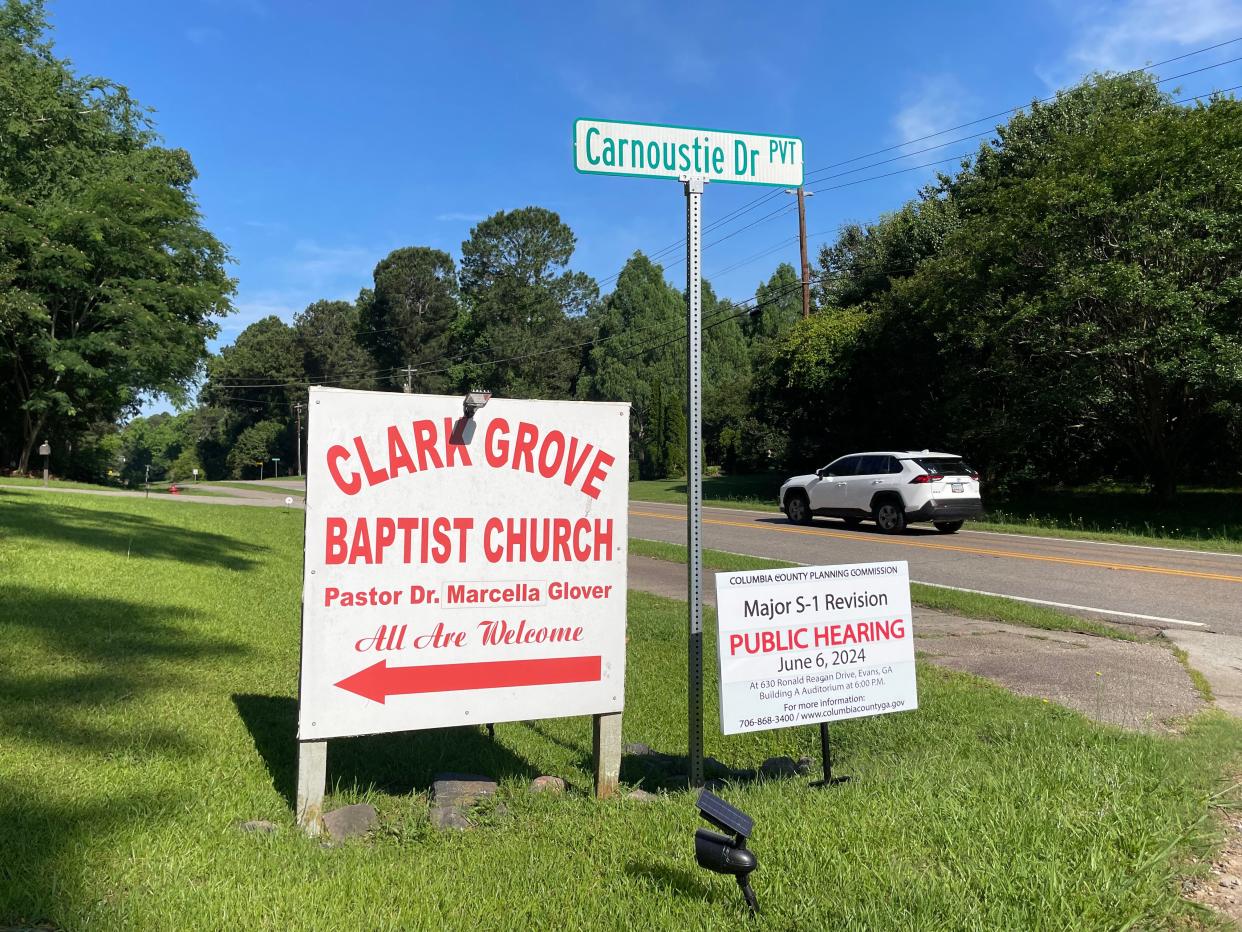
{"x":726,"y":854}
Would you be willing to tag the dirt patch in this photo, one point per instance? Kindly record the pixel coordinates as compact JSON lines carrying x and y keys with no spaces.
{"x":1221,"y":889}
{"x":1140,"y":686}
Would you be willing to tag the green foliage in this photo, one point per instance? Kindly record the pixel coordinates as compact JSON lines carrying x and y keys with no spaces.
{"x":637,"y":359}
{"x":1099,"y":261}
{"x":327,"y":335}
{"x":1065,"y":307}
{"x":525,"y":309}
{"x":802,"y":387}
{"x":108,"y":281}
{"x":165,"y":442}
{"x":411,"y":316}
{"x":779,"y":304}
{"x":252,"y":451}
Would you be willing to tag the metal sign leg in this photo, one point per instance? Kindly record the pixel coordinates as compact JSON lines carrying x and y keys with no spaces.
{"x":694,"y":470}
{"x":826,"y":745}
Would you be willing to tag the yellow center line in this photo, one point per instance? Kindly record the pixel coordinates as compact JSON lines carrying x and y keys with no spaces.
{"x":956,"y":548}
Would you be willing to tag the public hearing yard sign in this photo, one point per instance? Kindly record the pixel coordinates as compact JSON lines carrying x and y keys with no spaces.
{"x":461,"y":570}
{"x":814,"y":644}
{"x":650,"y":150}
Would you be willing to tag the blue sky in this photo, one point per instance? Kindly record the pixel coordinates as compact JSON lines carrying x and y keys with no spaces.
{"x":327,"y":134}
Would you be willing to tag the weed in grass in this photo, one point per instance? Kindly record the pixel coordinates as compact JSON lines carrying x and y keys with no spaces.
{"x":146,"y":707}
{"x":1199,"y":681}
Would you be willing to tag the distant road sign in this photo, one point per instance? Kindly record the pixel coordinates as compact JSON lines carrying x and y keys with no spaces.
{"x":651,"y":150}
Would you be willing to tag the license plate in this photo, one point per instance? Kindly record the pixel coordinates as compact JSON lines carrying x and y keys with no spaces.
{"x":957,"y":486}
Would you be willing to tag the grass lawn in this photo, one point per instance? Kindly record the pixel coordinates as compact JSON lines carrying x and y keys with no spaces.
{"x":148,"y":682}
{"x":966,"y":604}
{"x":758,"y":491}
{"x":1199,"y":519}
{"x":266,"y":487}
{"x":33,"y":482}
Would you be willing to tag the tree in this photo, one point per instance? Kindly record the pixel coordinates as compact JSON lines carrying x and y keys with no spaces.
{"x":257,"y":379}
{"x":778,"y":306}
{"x":326,"y":334}
{"x":525,"y":310}
{"x":410,"y":317}
{"x":638,"y":357}
{"x":108,"y":280}
{"x":254,"y":448}
{"x":1095,"y":273}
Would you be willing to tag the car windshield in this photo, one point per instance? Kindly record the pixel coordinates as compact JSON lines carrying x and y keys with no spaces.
{"x":944,"y":466}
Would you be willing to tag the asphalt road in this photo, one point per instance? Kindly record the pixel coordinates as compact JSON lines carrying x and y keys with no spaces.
{"x":1120,"y":583}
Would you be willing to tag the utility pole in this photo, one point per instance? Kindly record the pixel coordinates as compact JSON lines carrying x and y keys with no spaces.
{"x":298,"y":408}
{"x":806,"y":268}
{"x":803,"y":194}
{"x":409,"y":373}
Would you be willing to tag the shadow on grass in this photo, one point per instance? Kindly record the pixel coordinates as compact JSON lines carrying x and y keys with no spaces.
{"x":122,"y":532}
{"x":94,"y":656}
{"x":39,"y":874}
{"x":398,"y":763}
{"x":672,"y":880}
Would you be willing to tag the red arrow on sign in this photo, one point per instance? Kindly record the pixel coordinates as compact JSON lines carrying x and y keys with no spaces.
{"x":379,"y":681}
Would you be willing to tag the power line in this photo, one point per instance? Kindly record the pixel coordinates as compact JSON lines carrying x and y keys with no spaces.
{"x":1043,"y":100}
{"x":756,"y":202}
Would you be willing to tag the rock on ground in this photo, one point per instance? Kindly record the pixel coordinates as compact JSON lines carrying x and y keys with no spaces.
{"x":548,"y":784}
{"x":453,"y":795}
{"x":349,"y":821}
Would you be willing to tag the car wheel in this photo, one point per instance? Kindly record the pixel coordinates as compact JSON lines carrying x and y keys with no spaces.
{"x":852,"y":522}
{"x":890,"y":516}
{"x":798,"y":508}
{"x":948,"y":527}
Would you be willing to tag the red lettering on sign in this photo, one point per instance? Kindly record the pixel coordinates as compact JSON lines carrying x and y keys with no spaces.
{"x":496,"y":448}
{"x":374,"y":476}
{"x":398,"y":453}
{"x":524,"y":446}
{"x":549,"y":466}
{"x":454,"y":451}
{"x":335,"y":540}
{"x":599,"y":472}
{"x":336,"y":453}
{"x":425,"y":444}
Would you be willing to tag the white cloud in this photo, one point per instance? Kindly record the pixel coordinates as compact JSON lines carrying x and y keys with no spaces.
{"x":323,"y":267}
{"x":252,"y":308}
{"x":457,"y":217}
{"x":938,"y":102}
{"x":1133,"y":33}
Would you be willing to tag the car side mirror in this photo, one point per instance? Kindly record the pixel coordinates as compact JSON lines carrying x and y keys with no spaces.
{"x":821,"y":473}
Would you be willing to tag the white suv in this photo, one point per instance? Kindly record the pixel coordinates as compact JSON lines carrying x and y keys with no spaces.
{"x":890,"y":488}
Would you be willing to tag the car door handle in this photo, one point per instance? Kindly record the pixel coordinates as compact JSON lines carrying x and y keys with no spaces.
{"x":877,"y":481}
{"x":840,"y":485}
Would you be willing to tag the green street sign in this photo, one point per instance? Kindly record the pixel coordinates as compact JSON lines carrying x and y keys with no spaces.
{"x":652,"y":150}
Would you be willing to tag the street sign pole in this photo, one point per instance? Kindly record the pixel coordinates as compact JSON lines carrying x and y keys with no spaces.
{"x":693,"y":156}
{"x":694,"y":469}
